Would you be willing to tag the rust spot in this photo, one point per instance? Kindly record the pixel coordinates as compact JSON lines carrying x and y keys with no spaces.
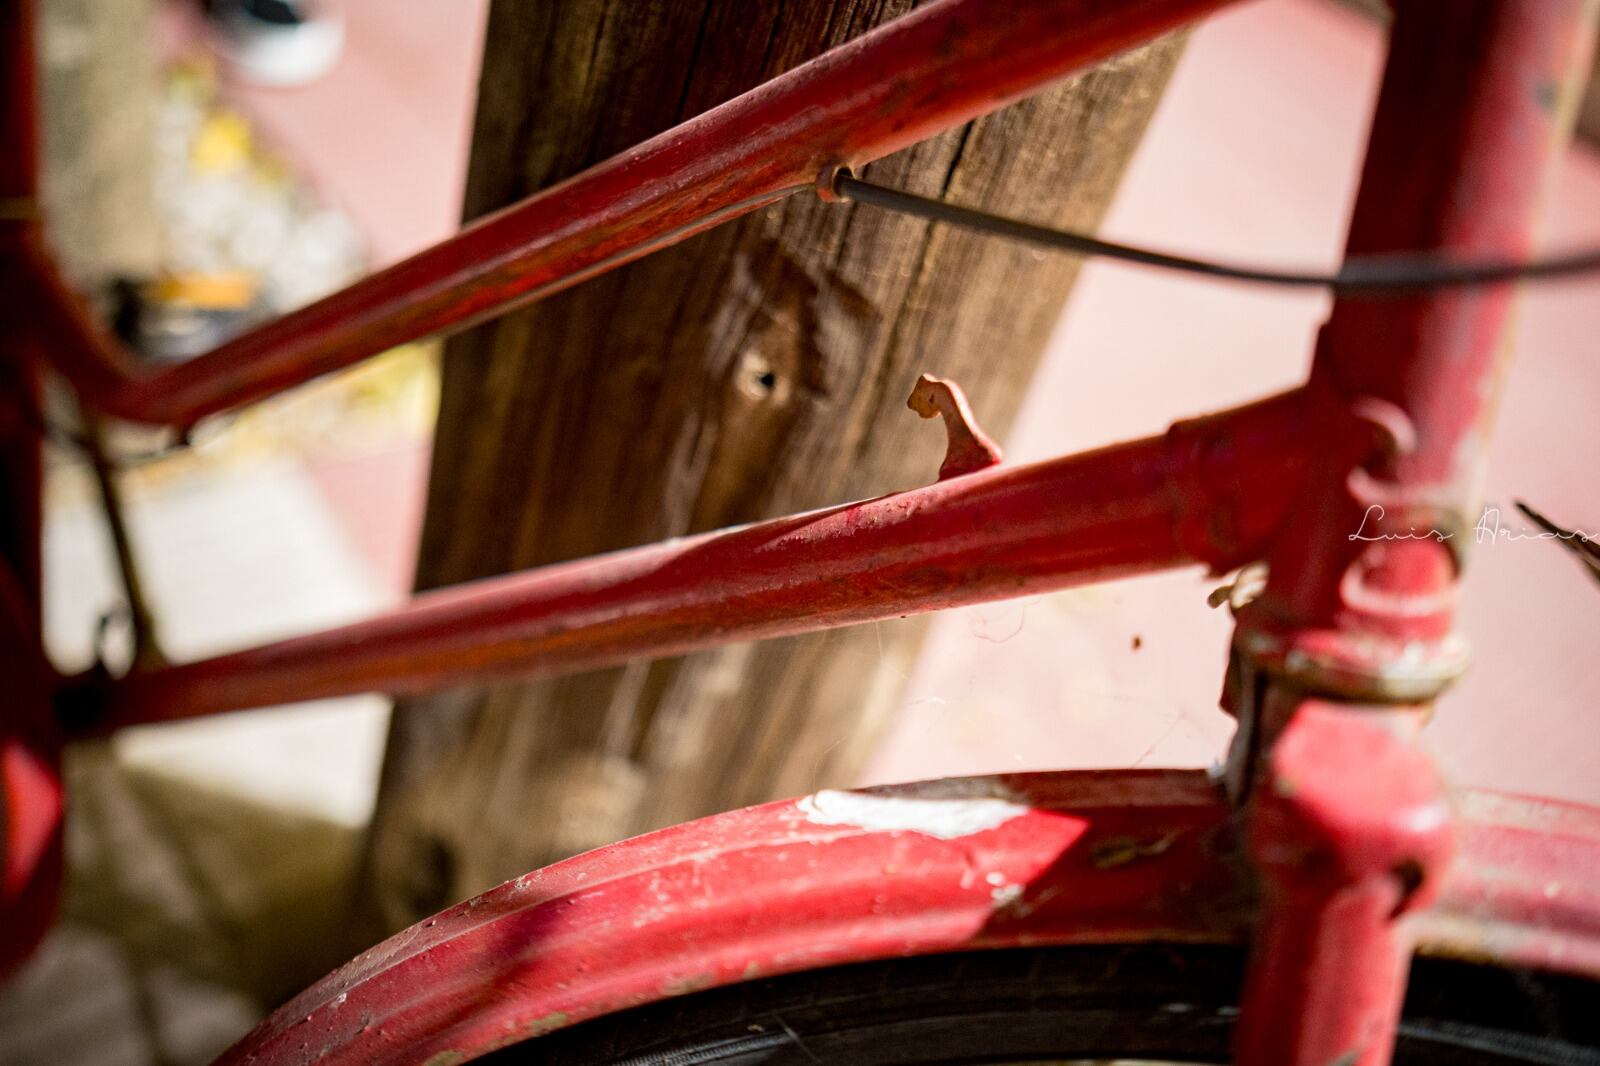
{"x":1138,"y":642}
{"x":1119,"y":851}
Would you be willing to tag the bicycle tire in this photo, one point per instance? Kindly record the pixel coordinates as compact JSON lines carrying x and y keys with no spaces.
{"x":1174,"y":1002}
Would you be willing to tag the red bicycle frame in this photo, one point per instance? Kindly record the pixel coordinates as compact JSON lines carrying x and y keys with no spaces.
{"x":1334,"y":666}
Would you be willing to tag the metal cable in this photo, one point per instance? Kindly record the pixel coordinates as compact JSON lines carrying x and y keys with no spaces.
{"x":1370,"y":275}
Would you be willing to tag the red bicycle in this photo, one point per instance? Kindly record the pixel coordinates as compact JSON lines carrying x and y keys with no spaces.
{"x":1274,"y":911}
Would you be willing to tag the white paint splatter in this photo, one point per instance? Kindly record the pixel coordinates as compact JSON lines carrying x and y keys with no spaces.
{"x":1005,"y":896}
{"x":936,"y":810}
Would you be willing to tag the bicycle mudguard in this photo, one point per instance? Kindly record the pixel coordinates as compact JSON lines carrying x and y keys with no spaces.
{"x":841,"y":877}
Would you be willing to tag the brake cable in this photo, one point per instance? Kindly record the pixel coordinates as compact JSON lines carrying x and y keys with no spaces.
{"x":1362,"y":275}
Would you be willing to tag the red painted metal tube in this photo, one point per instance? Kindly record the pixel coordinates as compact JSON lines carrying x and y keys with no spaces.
{"x":936,"y":68}
{"x":31,"y":804}
{"x":1339,"y":866}
{"x":1350,"y":827}
{"x":990,"y":535}
{"x":19,"y":137}
{"x":31,"y":801}
{"x":1468,"y":122}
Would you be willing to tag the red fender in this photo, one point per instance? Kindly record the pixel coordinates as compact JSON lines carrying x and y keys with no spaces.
{"x":841,"y":877}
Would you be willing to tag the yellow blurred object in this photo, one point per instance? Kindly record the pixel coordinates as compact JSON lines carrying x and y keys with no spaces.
{"x":194,"y":79}
{"x":231,"y":291}
{"x":222,"y":143}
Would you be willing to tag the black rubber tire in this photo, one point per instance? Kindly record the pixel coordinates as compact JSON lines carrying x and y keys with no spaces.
{"x":1173,"y":1002}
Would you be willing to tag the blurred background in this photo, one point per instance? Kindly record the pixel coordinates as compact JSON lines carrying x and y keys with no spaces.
{"x":212,"y":863}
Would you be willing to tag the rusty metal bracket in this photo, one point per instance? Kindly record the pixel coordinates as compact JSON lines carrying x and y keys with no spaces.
{"x":969,"y":449}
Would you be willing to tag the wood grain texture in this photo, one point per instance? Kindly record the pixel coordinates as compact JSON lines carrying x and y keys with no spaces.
{"x":758,"y":369}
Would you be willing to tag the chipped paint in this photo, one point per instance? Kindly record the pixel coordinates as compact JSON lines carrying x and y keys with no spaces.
{"x":548,"y":1023}
{"x":445,"y":1058}
{"x":682,"y":986}
{"x":1006,"y":897}
{"x":937,"y":812}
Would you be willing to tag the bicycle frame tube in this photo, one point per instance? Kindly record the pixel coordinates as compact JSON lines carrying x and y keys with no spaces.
{"x":1340,"y":657}
{"x":936,"y":68}
{"x":31,"y":802}
{"x":988,"y":535}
